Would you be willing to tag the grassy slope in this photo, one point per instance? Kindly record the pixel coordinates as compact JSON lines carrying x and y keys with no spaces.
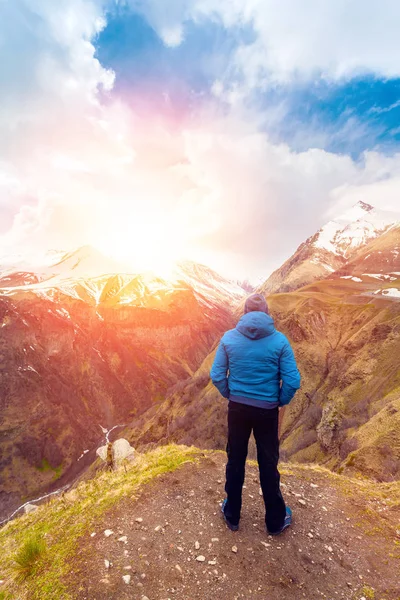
{"x":64,"y":520}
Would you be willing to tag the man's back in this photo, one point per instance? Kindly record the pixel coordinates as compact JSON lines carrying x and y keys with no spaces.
{"x":257,"y":357}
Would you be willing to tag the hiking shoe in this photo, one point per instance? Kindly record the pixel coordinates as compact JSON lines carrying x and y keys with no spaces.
{"x":286,"y":522}
{"x":231,"y":526}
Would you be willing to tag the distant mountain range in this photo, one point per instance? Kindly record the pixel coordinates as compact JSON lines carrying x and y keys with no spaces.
{"x":88,"y":275}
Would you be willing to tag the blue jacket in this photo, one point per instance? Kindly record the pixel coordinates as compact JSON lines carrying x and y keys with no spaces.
{"x":255,"y":364}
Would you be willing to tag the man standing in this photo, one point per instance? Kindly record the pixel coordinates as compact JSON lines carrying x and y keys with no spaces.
{"x":255,"y":369}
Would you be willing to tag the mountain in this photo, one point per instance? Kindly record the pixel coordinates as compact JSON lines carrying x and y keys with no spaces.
{"x":332,"y":247}
{"x":88,"y":275}
{"x":345,"y":330}
{"x":154,"y":530}
{"x":78,"y":354}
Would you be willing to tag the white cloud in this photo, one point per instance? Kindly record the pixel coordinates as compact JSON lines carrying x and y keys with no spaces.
{"x":331,"y":39}
{"x":76,"y":170}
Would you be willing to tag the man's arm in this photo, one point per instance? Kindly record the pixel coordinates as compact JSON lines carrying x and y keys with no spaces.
{"x":290,"y":375}
{"x":219,"y":370}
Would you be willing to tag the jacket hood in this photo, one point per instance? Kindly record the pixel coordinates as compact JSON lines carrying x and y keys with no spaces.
{"x":256,"y":325}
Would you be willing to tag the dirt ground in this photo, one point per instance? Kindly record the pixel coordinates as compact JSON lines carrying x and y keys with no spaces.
{"x":339,"y":547}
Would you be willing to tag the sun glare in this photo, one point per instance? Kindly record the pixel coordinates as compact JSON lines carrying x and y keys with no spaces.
{"x":144,"y":247}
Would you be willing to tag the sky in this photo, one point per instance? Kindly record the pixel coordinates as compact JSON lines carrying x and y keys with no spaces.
{"x":221,"y":131}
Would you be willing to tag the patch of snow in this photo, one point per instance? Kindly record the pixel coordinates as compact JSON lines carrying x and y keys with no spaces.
{"x":63,"y":312}
{"x":374,"y":275}
{"x":328,"y":268}
{"x":351,"y":277}
{"x":393,"y":292}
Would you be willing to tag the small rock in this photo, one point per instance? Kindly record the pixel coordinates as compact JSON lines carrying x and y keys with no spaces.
{"x":145,"y":598}
{"x":363,"y":598}
{"x":215,"y":539}
{"x":93,"y":534}
{"x":107,"y":563}
{"x":108,"y":532}
{"x":329,"y":548}
{"x":313,"y":485}
{"x":158,"y":528}
{"x":179,"y":548}
{"x":310,"y":535}
{"x":325,"y":509}
{"x":212,"y":562}
{"x":139,"y":520}
{"x":126,"y":578}
{"x":197,"y":545}
{"x":178,"y":568}
{"x":260,"y":492}
{"x":265,"y":544}
{"x":234,"y":549}
{"x":302,"y":501}
{"x":200,"y":558}
{"x":128,"y":568}
{"x":123,"y":538}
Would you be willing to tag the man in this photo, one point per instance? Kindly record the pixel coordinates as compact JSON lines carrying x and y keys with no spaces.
{"x":255,"y":369}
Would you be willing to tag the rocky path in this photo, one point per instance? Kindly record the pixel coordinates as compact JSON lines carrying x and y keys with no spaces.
{"x":171,"y":543}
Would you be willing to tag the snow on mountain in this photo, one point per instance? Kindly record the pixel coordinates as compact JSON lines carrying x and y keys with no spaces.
{"x":336,"y":244}
{"x":87,"y":275}
{"x":208,"y":283}
{"x":354,"y":228}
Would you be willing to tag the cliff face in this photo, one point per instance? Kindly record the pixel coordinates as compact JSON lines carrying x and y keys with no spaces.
{"x":69,"y":366}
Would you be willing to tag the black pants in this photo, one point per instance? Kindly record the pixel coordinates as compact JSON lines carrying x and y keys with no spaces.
{"x":242,"y":419}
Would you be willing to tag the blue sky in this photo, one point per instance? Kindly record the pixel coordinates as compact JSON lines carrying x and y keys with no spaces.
{"x":347,"y":116}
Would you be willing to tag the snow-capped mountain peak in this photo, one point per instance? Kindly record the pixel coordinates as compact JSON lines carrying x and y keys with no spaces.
{"x":354,"y":228}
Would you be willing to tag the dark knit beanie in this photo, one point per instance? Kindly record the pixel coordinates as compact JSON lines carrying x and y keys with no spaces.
{"x":256,"y":302}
